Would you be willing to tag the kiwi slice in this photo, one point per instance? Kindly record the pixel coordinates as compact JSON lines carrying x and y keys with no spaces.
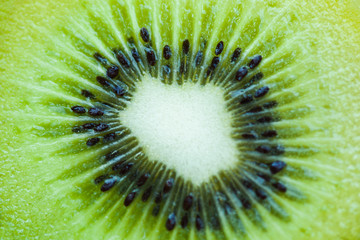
{"x":179,"y":119}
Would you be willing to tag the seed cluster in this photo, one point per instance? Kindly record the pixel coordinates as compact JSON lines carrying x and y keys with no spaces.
{"x":255,"y":181}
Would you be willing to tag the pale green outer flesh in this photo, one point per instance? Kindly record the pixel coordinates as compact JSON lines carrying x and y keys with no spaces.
{"x":41,"y":198}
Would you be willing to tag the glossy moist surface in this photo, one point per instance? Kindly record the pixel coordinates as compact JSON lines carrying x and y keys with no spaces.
{"x":72,"y":168}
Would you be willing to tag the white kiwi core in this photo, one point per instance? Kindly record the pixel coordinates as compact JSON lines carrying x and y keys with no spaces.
{"x":186,"y":127}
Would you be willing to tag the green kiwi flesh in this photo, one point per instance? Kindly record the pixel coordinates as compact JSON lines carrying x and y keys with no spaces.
{"x":179,"y":120}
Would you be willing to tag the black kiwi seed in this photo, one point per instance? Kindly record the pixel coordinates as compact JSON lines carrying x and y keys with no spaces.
{"x":130,"y":198}
{"x":167,"y":52}
{"x":100,"y":58}
{"x":112,"y":72}
{"x":199,"y":205}
{"x":260,"y":194}
{"x":146,"y":194}
{"x":135,"y":55}
{"x":117,"y":166}
{"x":198,"y":58}
{"x":156,"y":210}
{"x":263,"y":149}
{"x":249,"y":136}
{"x":77,"y":129}
{"x":150,"y":56}
{"x":278,"y":150}
{"x":92,"y":141}
{"x":100,"y":178}
{"x":270,"y":104}
{"x":78,"y":109}
{"x":144,"y":33}
{"x":103,"y":81}
{"x":265,"y":119}
{"x":257,"y":77}
{"x":89,"y":125}
{"x":255,"y":109}
{"x":277,"y":166}
{"x":96,"y":112}
{"x":246,"y":99}
{"x":168,"y":185}
{"x":171,"y":222}
{"x":264,"y":176}
{"x":142,"y":180}
{"x":254,"y":79}
{"x":215,"y":61}
{"x":241,"y":73}
{"x":279,"y":186}
{"x":186,"y":46}
{"x":158,"y":198}
{"x":101,"y":127}
{"x":246,"y":183}
{"x":184,"y":221}
{"x":261,"y":91}
{"x":255,"y":61}
{"x":246,"y":203}
{"x":188,"y":201}
{"x":110,"y":137}
{"x":269,"y":133}
{"x":219,"y":48}
{"x":122,"y":59}
{"x":125,"y":169}
{"x":235,"y":55}
{"x":87,"y":94}
{"x":199,"y":223}
{"x":108,"y":184}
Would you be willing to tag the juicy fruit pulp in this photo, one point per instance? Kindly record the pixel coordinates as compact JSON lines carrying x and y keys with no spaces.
{"x":48,"y":171}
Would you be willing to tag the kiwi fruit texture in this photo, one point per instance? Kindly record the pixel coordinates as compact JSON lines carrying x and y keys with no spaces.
{"x":180,"y":119}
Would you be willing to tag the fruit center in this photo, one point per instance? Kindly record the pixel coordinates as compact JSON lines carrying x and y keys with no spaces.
{"x":185,"y":127}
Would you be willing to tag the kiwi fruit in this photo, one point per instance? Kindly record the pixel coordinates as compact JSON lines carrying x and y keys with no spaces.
{"x":179,"y":119}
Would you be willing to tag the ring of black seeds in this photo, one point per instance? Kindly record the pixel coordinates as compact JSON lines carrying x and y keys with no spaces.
{"x":187,"y":211}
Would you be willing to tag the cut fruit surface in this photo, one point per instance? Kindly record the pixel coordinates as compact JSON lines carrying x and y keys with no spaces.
{"x":179,"y":119}
{"x":188,"y":129}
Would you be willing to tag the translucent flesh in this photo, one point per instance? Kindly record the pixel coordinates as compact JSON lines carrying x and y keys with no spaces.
{"x":311,"y":57}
